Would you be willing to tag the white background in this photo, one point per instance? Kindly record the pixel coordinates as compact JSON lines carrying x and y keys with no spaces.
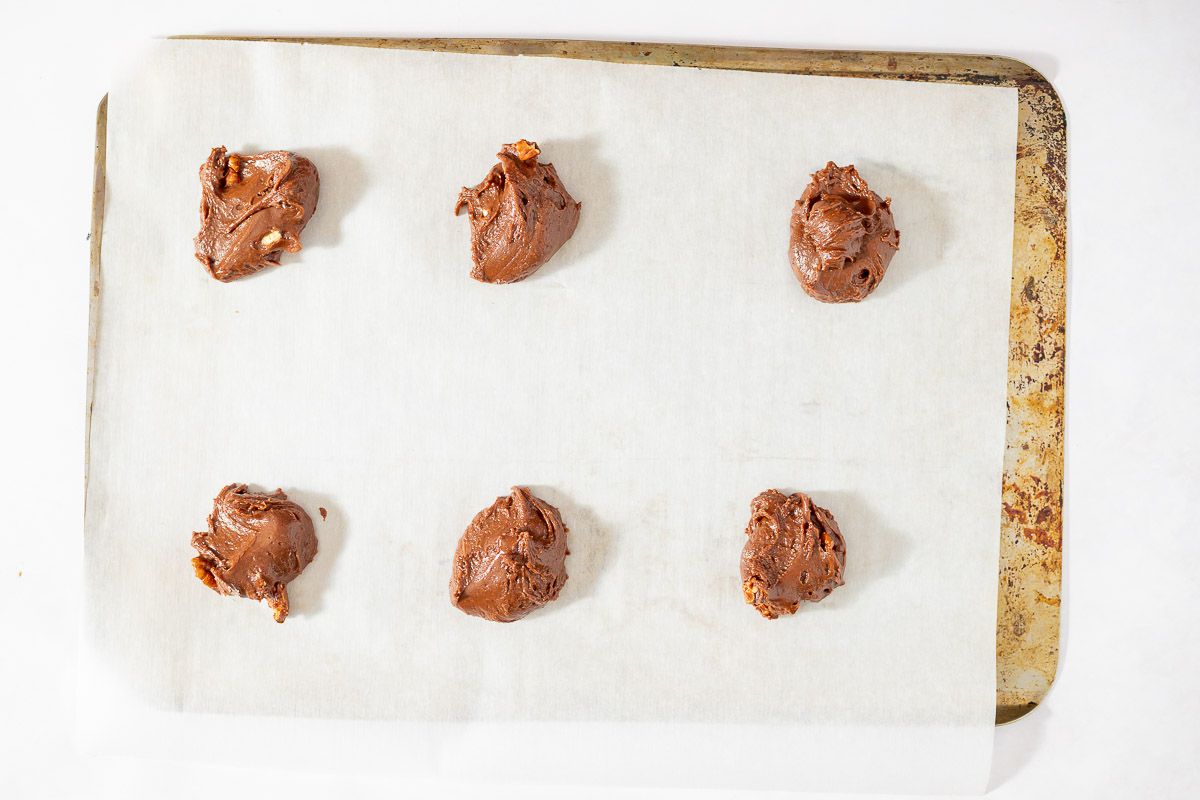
{"x":1121,"y":719}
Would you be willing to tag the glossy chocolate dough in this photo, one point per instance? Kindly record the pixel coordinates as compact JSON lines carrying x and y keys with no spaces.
{"x":252,"y":208}
{"x":520,"y":215}
{"x":254,"y":546}
{"x":843,"y":236}
{"x":794,"y":551}
{"x":511,"y":558}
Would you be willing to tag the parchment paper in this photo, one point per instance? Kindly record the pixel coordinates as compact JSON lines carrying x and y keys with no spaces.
{"x":663,"y":369}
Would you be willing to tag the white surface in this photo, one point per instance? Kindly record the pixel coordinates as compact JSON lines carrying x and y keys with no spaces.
{"x":1120,"y":721}
{"x":649,"y":382}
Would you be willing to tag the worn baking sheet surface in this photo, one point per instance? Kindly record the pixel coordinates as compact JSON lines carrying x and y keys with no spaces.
{"x":653,"y":378}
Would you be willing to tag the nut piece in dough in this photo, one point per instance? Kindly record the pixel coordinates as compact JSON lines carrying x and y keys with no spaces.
{"x":254,"y":546}
{"x":510,"y":560}
{"x":252,"y":208}
{"x":520,"y":215}
{"x":794,"y":551}
{"x":843,"y":236}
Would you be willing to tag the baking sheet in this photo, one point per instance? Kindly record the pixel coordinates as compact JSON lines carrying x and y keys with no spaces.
{"x":649,"y":381}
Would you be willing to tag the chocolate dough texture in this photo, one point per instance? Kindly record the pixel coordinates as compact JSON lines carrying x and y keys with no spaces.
{"x":252,"y":209}
{"x":793,"y":552}
{"x":843,"y":236}
{"x":520,"y":215}
{"x":254,"y":546}
{"x":511,"y":559}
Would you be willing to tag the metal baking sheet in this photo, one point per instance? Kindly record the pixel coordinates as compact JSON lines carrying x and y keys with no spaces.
{"x":1030,"y":517}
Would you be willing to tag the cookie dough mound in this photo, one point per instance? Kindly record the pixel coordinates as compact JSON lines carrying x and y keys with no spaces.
{"x":511,"y":559}
{"x":520,"y":215}
{"x":794,"y":551}
{"x":254,"y":546}
{"x":252,"y":208}
{"x":843,"y":236}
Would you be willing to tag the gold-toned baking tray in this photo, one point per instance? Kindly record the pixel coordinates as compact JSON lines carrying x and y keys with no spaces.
{"x":1031,"y":508}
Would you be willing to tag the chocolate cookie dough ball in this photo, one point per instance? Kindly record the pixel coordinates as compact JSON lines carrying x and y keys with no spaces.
{"x":252,"y":208}
{"x":511,"y":559}
{"x":520,"y":215}
{"x":794,"y":551}
{"x":254,"y":546}
{"x":843,"y":236}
